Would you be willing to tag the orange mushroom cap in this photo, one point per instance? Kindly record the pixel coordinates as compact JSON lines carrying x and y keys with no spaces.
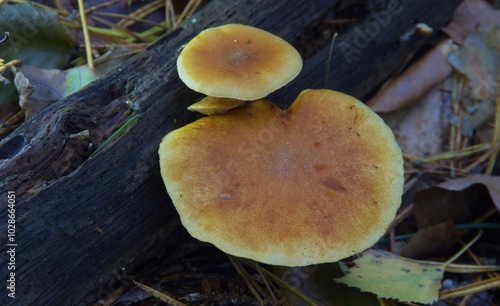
{"x":316,"y":183}
{"x":237,"y":61}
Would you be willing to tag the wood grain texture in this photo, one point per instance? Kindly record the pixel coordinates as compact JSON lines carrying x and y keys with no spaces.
{"x":81,"y":220}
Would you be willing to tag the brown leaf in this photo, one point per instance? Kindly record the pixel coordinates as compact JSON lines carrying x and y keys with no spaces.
{"x":492,"y":183}
{"x":431,"y":241}
{"x":459,"y":200}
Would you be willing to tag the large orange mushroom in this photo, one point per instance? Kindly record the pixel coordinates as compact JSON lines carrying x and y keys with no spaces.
{"x":315,"y":183}
{"x":237,"y":61}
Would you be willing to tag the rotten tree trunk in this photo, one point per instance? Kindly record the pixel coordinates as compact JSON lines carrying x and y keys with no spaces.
{"x":80,"y":219}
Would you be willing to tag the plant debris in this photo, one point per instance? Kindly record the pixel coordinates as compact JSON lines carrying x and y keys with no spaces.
{"x":444,"y":109}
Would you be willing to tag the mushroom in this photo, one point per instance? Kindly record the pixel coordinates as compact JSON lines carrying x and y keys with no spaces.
{"x":316,"y":183}
{"x":237,"y":61}
{"x":214,"y":106}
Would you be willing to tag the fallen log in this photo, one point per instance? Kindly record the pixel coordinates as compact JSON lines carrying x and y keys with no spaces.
{"x":80,"y":220}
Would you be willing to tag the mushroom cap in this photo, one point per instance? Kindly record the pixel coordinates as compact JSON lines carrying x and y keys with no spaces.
{"x":316,"y":183}
{"x":214,"y":106}
{"x":237,"y":61}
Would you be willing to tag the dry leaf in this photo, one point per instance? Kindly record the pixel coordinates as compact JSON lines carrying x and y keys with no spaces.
{"x":433,"y":240}
{"x":25,"y":90}
{"x":492,"y":183}
{"x":415,"y":81}
{"x":50,"y":85}
{"x":422,"y":129}
{"x":439,"y":204}
{"x":472,"y":16}
{"x":391,"y":276}
{"x":478,"y":60}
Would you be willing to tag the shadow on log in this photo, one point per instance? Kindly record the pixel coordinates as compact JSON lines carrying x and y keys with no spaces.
{"x":79,"y":220}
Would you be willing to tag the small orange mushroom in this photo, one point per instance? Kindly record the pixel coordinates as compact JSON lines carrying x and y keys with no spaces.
{"x":214,"y":106}
{"x":316,"y":183}
{"x":237,"y":61}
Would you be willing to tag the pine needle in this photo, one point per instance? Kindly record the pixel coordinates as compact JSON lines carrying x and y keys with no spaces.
{"x":254,"y":287}
{"x":281,"y":283}
{"x":470,"y":289}
{"x":496,"y":133}
{"x":479,"y":148}
{"x":159,"y":295}
{"x":86,"y":37}
{"x":114,"y":135}
{"x":329,"y":60}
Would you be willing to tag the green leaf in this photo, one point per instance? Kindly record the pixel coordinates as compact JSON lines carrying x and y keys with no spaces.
{"x":78,"y":77}
{"x":391,"y":276}
{"x":37,"y":37}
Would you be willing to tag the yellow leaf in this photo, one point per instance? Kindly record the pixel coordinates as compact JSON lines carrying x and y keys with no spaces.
{"x":391,"y":276}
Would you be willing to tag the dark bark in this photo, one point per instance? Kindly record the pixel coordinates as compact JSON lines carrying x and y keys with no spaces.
{"x":80,"y":219}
